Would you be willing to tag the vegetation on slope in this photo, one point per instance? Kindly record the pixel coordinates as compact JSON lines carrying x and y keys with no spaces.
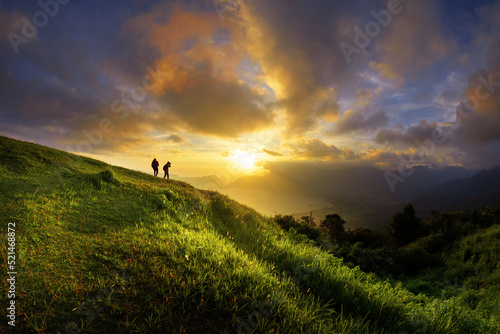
{"x":102,"y":249}
{"x":450,"y":256}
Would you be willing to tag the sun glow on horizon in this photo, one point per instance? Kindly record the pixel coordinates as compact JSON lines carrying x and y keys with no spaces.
{"x":244,"y":159}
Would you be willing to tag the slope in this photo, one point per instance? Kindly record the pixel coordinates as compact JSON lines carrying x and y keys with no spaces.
{"x":102,"y":249}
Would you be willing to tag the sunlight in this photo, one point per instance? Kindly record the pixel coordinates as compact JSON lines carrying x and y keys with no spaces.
{"x":244,"y":159}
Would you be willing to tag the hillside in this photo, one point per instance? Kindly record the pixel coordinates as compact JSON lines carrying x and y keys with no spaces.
{"x":103,"y":249}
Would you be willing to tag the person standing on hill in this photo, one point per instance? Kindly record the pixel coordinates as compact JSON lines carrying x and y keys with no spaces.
{"x":155,"y":165}
{"x":165,"y":169}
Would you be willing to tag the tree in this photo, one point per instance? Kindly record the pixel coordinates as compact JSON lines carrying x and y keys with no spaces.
{"x":308,"y":220}
{"x":333,"y":225}
{"x":405,"y":226}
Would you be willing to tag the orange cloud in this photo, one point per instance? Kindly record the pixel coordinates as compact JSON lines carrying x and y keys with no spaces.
{"x":195,"y":79}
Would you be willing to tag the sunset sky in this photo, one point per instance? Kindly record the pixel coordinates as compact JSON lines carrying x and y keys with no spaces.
{"x":229,"y":88}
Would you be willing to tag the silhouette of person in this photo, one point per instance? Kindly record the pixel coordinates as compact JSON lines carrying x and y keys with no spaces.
{"x":155,"y":165}
{"x":165,"y":169}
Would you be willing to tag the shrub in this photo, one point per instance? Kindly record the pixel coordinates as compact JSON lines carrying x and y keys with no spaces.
{"x":367,"y":237}
{"x":98,"y":179}
{"x":108,"y":176}
{"x":159,"y":202}
{"x":221,"y":209}
{"x":288,"y":222}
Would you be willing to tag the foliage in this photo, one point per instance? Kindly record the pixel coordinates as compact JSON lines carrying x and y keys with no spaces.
{"x":308,"y":220}
{"x":406,"y":226}
{"x":368,"y":238}
{"x":334,"y":226}
{"x":287,"y":222}
{"x":460,"y":247}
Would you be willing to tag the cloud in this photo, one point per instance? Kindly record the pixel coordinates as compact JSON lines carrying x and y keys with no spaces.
{"x":388,"y":159}
{"x":407,"y":48}
{"x":195,"y":79}
{"x":408,"y":137}
{"x":366,"y":119}
{"x":296,"y":45}
{"x":479,"y":114}
{"x":269,"y":65}
{"x":174,"y":139}
{"x":273,"y":153}
{"x":317,"y":149}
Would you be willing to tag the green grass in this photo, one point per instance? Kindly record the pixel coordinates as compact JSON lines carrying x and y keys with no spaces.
{"x":103,"y":249}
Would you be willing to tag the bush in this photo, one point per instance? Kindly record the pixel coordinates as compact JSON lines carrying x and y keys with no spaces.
{"x":413,"y":260}
{"x":287,"y":222}
{"x":221,"y":209}
{"x":98,"y":179}
{"x":368,"y":238}
{"x":108,"y":176}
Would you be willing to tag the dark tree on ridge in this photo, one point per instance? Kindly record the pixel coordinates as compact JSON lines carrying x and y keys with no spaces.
{"x":334,"y":226}
{"x":405,"y":226}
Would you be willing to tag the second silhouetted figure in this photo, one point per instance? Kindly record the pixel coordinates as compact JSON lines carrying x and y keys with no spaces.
{"x":165,"y":169}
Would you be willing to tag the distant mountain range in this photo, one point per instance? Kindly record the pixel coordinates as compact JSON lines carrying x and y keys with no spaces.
{"x":480,"y":189}
{"x":362,"y":196}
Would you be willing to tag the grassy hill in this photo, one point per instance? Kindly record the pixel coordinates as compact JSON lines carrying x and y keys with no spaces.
{"x":103,"y":249}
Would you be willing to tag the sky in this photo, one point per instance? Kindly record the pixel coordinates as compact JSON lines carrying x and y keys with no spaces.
{"x":236,"y":87}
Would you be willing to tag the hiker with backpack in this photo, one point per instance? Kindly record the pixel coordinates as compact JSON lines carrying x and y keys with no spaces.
{"x":155,"y":164}
{"x":165,"y":169}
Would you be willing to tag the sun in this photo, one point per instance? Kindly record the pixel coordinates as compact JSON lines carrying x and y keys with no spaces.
{"x":244,"y":159}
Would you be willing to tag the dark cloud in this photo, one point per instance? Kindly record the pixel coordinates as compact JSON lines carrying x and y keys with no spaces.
{"x":217,"y":108}
{"x":272,"y":153}
{"x":366,"y":119}
{"x":408,"y":137}
{"x":478,"y":116}
{"x":407,"y":48}
{"x":317,"y":149}
{"x":175,"y":139}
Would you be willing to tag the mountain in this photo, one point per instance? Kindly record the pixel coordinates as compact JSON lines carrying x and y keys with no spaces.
{"x":211,"y":182}
{"x":361,"y":182}
{"x":96,"y":248}
{"x":361,"y":195}
{"x":480,"y":190}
